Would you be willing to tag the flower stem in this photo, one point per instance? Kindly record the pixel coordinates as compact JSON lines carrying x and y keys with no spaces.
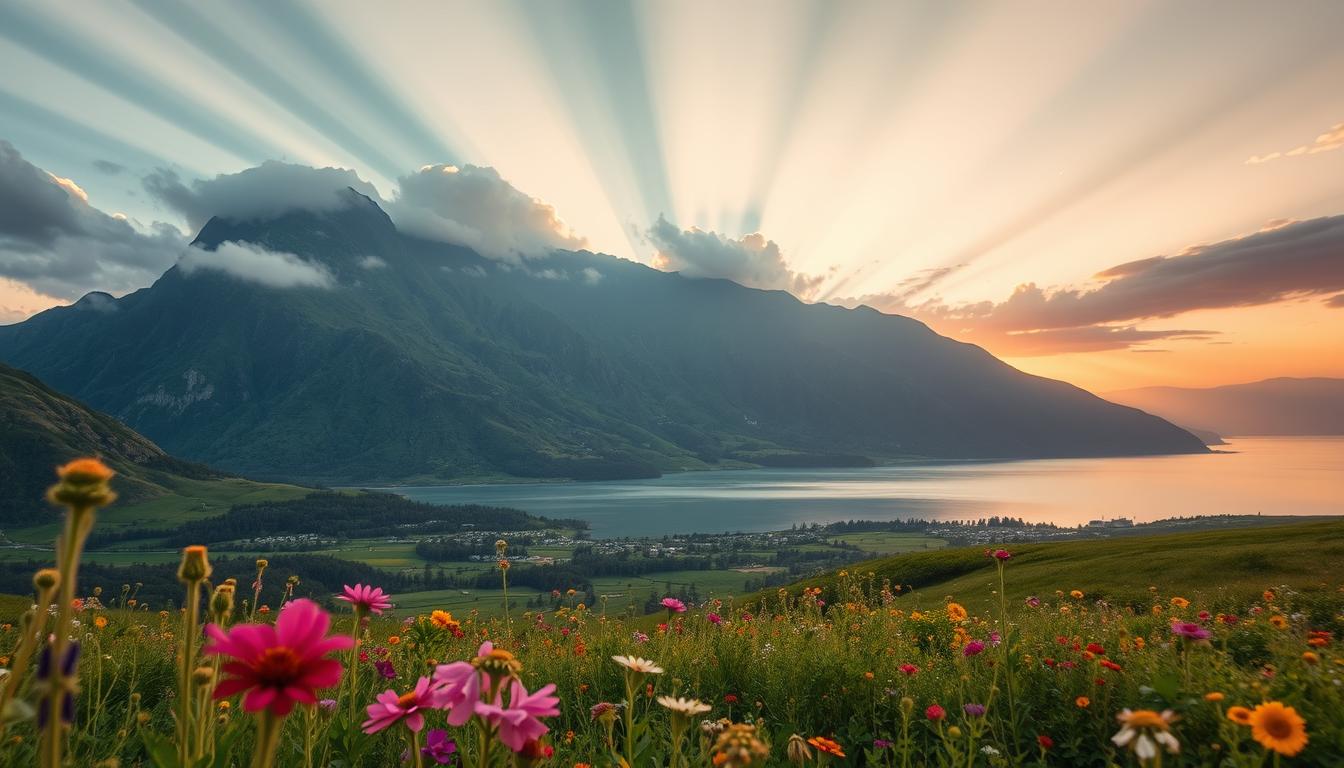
{"x":268,"y":739}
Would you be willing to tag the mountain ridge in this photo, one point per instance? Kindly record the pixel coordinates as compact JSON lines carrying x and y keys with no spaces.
{"x":1283,"y":405}
{"x":427,"y":360}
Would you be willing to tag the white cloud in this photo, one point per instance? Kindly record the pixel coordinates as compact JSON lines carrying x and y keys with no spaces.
{"x":750,"y":260}
{"x":1330,"y":140}
{"x":591,"y":276}
{"x":253,"y":263}
{"x":372,"y":262}
{"x":475,"y":207}
{"x":269,"y":189}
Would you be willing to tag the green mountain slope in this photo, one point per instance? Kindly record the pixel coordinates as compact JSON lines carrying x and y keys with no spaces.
{"x":41,"y":429}
{"x":437,"y":364}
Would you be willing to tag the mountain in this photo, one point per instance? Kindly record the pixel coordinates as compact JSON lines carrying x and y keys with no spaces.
{"x":1282,"y":406}
{"x":41,"y":429}
{"x":420,"y":361}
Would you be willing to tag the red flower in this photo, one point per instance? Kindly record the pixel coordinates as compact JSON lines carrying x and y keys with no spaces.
{"x":1111,"y":665}
{"x":729,"y":698}
{"x":281,"y":665}
{"x":935,"y":712}
{"x":1045,"y":741}
{"x":1096,"y":648}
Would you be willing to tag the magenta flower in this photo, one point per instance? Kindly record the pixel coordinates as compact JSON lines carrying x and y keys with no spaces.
{"x":1001,"y":554}
{"x":1034,"y":602}
{"x":281,"y":665}
{"x":385,"y":669}
{"x":366,"y":599}
{"x":995,"y":638}
{"x":520,"y":722}
{"x":439,"y":748}
{"x":391,"y":709}
{"x":459,"y":688}
{"x":673,"y":605}
{"x":973,"y":648}
{"x":714,"y":618}
{"x":1190,"y":630}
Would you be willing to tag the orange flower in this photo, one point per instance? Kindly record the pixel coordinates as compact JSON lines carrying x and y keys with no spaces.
{"x":393,"y":640}
{"x":100,"y":622}
{"x":85,"y":472}
{"x":1083,"y":702}
{"x":1239,"y":715}
{"x":826,"y":746}
{"x":1213,"y":696}
{"x":1279,"y":728}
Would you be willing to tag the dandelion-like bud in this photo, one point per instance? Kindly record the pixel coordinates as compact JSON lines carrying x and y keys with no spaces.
{"x":501,"y":546}
{"x":740,"y":746}
{"x":203,"y":676}
{"x":262,"y":564}
{"x":232,"y":582}
{"x":47,"y":578}
{"x":195,"y":565}
{"x":83,"y":484}
{"x":221,"y":603}
{"x":907,"y":704}
{"x":142,"y":718}
{"x":797,"y":750}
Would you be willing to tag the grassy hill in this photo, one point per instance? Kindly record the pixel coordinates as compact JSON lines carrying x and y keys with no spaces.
{"x":1232,"y":564}
{"x":41,"y":429}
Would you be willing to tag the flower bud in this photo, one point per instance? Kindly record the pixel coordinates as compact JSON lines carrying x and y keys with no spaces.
{"x":797,"y":751}
{"x":47,"y":578}
{"x":221,"y":603}
{"x":907,"y":704}
{"x":83,"y":484}
{"x":954,"y":732}
{"x":195,"y":565}
{"x":262,"y":563}
{"x":203,"y":676}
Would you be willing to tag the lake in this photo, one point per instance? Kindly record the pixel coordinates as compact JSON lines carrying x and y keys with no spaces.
{"x":1271,"y":476}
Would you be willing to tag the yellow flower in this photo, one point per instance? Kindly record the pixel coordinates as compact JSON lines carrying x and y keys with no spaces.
{"x":1279,"y":728}
{"x":443,"y":620}
{"x":955,"y":612}
{"x":1239,"y":715}
{"x":100,"y":622}
{"x":1139,"y":643}
{"x":1278,"y":621}
{"x":1179,"y":602}
{"x":1076,"y":594}
{"x":1310,"y":657}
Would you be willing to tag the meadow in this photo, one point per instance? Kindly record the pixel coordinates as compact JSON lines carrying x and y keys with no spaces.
{"x":1210,"y":649}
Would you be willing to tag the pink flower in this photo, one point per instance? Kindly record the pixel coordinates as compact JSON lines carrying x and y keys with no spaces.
{"x":519,"y":722}
{"x":973,"y":648}
{"x":1034,"y":602}
{"x":1190,"y":631}
{"x":1001,"y":554}
{"x":281,"y":665}
{"x":935,"y":712}
{"x":391,"y":709}
{"x":458,"y":687}
{"x":673,"y":605}
{"x":366,"y":599}
{"x":714,"y":618}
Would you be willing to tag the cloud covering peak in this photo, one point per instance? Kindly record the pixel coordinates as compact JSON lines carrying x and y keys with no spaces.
{"x":750,"y":260}
{"x":476,"y":207}
{"x":255,"y":264}
{"x":269,"y":189}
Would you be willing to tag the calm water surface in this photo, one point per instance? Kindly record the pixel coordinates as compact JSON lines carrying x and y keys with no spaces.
{"x":1272,"y":476}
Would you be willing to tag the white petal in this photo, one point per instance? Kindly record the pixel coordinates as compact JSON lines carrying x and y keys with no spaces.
{"x":1145,"y":748}
{"x":1125,"y":736}
{"x":1169,"y":741}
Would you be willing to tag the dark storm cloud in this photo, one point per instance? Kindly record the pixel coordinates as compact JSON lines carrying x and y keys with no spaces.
{"x":58,"y":244}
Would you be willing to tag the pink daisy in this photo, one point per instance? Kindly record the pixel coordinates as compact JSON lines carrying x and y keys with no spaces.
{"x":519,"y":722}
{"x":281,"y":665}
{"x":391,"y":709}
{"x":367,"y":599}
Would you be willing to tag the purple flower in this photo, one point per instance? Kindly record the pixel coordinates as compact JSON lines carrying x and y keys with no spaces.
{"x":974,"y":710}
{"x":973,"y":648}
{"x":640,"y":637}
{"x":882,"y":744}
{"x":385,"y":669}
{"x":1190,"y":630}
{"x":1034,"y":601}
{"x":995,"y":638}
{"x":327,"y":704}
{"x":439,"y":748}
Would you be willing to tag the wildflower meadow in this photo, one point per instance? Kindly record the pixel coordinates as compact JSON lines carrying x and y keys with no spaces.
{"x":859,"y":671}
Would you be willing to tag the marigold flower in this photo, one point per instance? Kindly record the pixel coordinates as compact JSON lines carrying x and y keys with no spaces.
{"x":1239,"y":715}
{"x":1278,"y":728}
{"x":278,"y":665}
{"x":1179,"y":602}
{"x":1076,"y":594}
{"x":100,"y":622}
{"x":956,"y":612}
{"x":1082,"y":702}
{"x":1214,"y":696}
{"x":1278,"y":621}
{"x":826,"y":746}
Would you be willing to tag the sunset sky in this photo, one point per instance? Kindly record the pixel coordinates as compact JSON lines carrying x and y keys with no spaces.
{"x":1114,"y":193}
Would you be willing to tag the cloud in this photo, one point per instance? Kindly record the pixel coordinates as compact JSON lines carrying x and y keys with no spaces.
{"x":1285,"y":261}
{"x":56,"y":243}
{"x":109,"y":167}
{"x":253,"y":263}
{"x":1335,"y":302}
{"x":269,"y":189}
{"x":372,"y":262}
{"x":475,"y":207}
{"x":1330,"y":140}
{"x":750,"y":260}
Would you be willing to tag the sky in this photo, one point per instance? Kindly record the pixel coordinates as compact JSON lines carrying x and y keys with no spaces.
{"x":1118,"y":194}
